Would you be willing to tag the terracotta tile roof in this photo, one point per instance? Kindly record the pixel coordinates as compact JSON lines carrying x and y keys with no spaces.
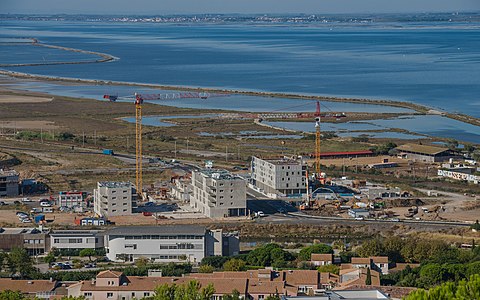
{"x":326,"y":278}
{"x":380,"y":259}
{"x":302,"y":277}
{"x":109,"y":274}
{"x":321,"y":257}
{"x":27,"y":286}
{"x":361,"y":260}
{"x":266,"y":287}
{"x":362,"y":276}
{"x":401,"y":266}
{"x":142,"y":283}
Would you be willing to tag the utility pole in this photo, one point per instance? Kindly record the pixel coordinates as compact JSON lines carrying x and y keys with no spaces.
{"x":127,"y":144}
{"x":175,"y":148}
{"x":187,"y":146}
{"x":226,"y":153}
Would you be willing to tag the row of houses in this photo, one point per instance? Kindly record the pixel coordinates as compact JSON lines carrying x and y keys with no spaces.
{"x":180,"y":243}
{"x":252,"y":284}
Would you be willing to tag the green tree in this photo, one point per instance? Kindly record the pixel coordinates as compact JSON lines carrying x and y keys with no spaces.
{"x":214,"y":261}
{"x":269,"y":255}
{"x":206,"y":269}
{"x":329,"y":268}
{"x":188,"y":291}
{"x":235,"y":295}
{"x":392,"y":247}
{"x":141,"y":262}
{"x":370,"y":248}
{"x":234,"y":264}
{"x":87,"y":252}
{"x":20,"y":262}
{"x":464,"y":290}
{"x":306,"y":252}
{"x":368,"y":280}
{"x":11,"y":295}
{"x":50,"y":258}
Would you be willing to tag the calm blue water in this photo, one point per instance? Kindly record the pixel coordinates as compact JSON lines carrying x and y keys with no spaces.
{"x":438,"y":66}
{"x":432,"y":125}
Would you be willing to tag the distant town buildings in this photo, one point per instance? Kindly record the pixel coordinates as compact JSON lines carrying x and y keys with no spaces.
{"x":8,"y":183}
{"x":284,"y":176}
{"x":218,"y":193}
{"x":114,"y":198}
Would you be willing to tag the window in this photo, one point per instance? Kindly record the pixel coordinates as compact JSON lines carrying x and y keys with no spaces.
{"x":133,"y":294}
{"x":261,"y":297}
{"x":109,"y":295}
{"x":146,"y":294}
{"x":133,"y":246}
{"x":56,"y":241}
{"x":87,"y":294}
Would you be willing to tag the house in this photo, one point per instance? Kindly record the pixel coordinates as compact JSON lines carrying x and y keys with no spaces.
{"x":358,"y":276}
{"x":328,"y":280}
{"x":71,"y":199}
{"x":321,"y":259}
{"x":34,"y":240}
{"x":378,"y":263}
{"x":40,"y":289}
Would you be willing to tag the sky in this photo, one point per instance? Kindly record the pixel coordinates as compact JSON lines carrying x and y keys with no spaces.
{"x":158,"y":7}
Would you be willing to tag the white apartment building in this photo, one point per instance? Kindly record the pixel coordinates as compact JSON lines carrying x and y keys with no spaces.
{"x":218,"y":193}
{"x":76,"y":239}
{"x":114,"y":198}
{"x":179,"y":243}
{"x":279,"y":176}
{"x":71,"y":199}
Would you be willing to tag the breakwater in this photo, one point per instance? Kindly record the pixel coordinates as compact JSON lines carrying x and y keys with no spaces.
{"x":103,"y":57}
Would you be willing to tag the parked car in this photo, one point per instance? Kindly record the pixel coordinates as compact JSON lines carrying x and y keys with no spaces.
{"x":149,"y":204}
{"x":260,"y":214}
{"x":2,"y":203}
{"x":26,"y":220}
{"x":36,"y":210}
{"x":45,"y":204}
{"x":359,"y":218}
{"x":26,"y":200}
{"x":22,"y":214}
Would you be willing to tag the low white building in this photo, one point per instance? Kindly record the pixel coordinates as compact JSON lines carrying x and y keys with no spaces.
{"x":218,"y":193}
{"x":76,"y":239}
{"x":114,"y":198}
{"x":180,"y":243}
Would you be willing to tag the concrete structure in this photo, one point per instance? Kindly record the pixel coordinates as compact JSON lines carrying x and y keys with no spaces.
{"x":218,"y":194}
{"x":114,"y":198}
{"x":358,"y":213}
{"x":181,"y":189}
{"x":224,"y":244}
{"x":76,"y":239}
{"x":8,"y":183}
{"x":71,"y":199}
{"x":285,"y":176}
{"x":425,"y":153}
{"x":180,"y":243}
{"x":381,"y":192}
{"x":35,"y":241}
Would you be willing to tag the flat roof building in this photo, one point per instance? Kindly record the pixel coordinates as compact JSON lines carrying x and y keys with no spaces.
{"x":8,"y":183}
{"x":284,"y":176}
{"x":114,"y":198}
{"x":76,"y":239}
{"x":218,"y":193}
{"x":179,"y":243}
{"x":425,"y":153}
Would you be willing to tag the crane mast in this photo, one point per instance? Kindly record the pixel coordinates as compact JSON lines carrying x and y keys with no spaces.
{"x":138,"y":145}
{"x":317,"y":141}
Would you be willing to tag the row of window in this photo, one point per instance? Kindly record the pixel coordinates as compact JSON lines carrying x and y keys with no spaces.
{"x":164,"y":247}
{"x":162,"y":237}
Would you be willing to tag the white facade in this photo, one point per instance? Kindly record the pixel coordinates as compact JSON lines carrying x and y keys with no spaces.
{"x":76,"y":239}
{"x":71,"y":199}
{"x":285,"y":176}
{"x":218,"y":193}
{"x":114,"y":199}
{"x":179,"y":243}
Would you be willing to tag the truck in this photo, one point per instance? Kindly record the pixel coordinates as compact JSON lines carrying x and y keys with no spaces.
{"x":108,"y":152}
{"x":39,"y":218}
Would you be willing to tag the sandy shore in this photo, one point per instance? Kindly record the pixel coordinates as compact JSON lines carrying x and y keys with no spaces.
{"x":23,"y":99}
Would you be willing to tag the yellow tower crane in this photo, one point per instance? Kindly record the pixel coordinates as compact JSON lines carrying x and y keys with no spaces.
{"x":317,"y":141}
{"x":138,"y":145}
